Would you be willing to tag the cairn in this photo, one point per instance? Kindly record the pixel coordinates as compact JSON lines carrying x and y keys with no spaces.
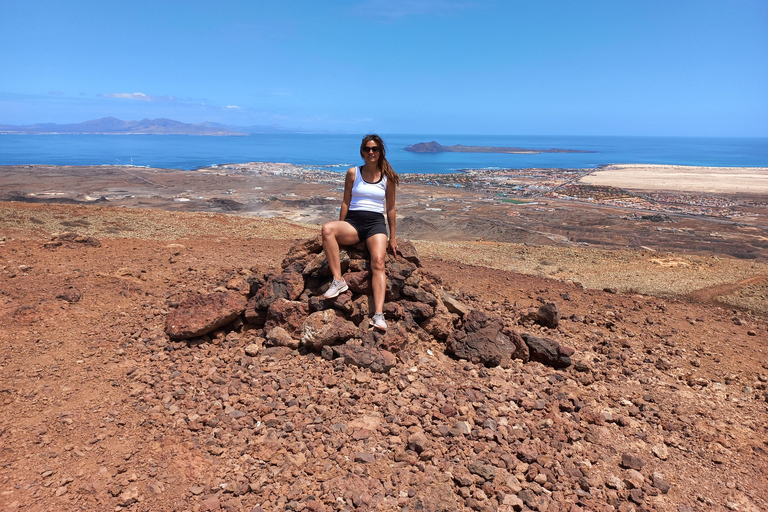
{"x":290,"y":311}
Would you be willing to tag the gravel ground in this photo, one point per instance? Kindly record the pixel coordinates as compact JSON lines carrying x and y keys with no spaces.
{"x":752,"y":296}
{"x":650,"y":273}
{"x":663,"y":409}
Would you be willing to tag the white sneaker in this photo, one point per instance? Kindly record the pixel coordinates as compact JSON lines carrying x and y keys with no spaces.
{"x":337,"y":287}
{"x":378,"y":321}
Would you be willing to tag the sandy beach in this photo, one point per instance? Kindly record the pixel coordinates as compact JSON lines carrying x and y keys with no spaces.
{"x":679,"y":178}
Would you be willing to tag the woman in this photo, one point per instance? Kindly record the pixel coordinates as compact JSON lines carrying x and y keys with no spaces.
{"x":369,"y":192}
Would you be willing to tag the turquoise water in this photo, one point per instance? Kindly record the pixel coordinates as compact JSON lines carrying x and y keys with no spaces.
{"x":190,"y":152}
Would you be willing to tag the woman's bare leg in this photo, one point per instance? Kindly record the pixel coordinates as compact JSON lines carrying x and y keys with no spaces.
{"x":335,"y":233}
{"x":377,"y":247}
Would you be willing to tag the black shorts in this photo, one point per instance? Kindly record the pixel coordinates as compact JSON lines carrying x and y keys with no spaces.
{"x":366,"y":223}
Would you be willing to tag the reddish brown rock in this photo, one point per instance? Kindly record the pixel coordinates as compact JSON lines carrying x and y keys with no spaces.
{"x":279,"y":337}
{"x":454,"y":305}
{"x":419,"y":310}
{"x":435,"y":497}
{"x":326,"y":328}
{"x":201,"y":314}
{"x":407,"y":251}
{"x":482,"y":340}
{"x":290,"y":315}
{"x":73,"y":238}
{"x":394,"y":339}
{"x":302,"y":249}
{"x":440,"y":326}
{"x":419,"y":295}
{"x":359,"y":282}
{"x":377,"y":360}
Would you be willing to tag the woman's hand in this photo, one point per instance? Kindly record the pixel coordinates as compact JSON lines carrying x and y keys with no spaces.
{"x":393,"y":245}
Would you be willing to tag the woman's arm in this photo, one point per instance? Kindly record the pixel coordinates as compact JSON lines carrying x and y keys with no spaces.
{"x":390,"y":196}
{"x":349,"y":182}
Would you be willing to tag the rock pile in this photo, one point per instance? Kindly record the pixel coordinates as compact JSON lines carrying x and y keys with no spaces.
{"x":289,"y":309}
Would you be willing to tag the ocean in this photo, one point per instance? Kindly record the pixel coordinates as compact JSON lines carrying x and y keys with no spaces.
{"x":338,"y":152}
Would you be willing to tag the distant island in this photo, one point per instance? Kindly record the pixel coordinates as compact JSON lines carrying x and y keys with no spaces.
{"x":434,"y":147}
{"x":113,"y":126}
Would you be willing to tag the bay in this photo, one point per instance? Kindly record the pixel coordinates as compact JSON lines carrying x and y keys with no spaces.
{"x":338,"y":152}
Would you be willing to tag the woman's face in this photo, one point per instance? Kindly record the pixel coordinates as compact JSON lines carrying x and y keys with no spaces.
{"x":371,"y":152}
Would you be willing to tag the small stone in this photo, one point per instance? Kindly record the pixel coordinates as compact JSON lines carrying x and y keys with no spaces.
{"x":362,"y":377}
{"x":418,"y":442}
{"x":637,"y":496}
{"x":613,"y":482}
{"x":659,"y":482}
{"x":698,"y":381}
{"x":252,"y":350}
{"x":70,"y":294}
{"x":485,"y":471}
{"x":661,"y":451}
{"x":365,"y":458}
{"x":128,"y":497}
{"x":629,"y":461}
{"x":634,"y":479}
{"x":463,"y":427}
{"x":510,"y":500}
{"x":211,"y":504}
{"x":196,"y":490}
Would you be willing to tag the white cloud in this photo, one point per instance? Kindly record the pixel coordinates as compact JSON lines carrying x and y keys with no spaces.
{"x":138,"y":96}
{"x":233,"y":107}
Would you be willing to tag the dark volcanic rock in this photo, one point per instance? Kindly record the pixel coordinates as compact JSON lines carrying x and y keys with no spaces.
{"x":201,"y":314}
{"x":548,"y":315}
{"x":548,"y":351}
{"x":630,"y":461}
{"x":288,"y":285}
{"x":70,"y":294}
{"x":484,"y":340}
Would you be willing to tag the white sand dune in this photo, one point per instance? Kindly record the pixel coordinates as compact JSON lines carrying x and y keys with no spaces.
{"x":678,"y":178}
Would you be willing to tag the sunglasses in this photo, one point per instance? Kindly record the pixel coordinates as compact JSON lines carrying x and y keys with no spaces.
{"x":375,"y":149}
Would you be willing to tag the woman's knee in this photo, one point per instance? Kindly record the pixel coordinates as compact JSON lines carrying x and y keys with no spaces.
{"x":327,"y":230}
{"x":377,"y":263}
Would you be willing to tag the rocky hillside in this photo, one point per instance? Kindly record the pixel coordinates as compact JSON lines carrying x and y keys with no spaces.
{"x":109,"y":403}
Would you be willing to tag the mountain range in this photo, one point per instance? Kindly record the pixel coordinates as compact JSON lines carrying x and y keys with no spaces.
{"x":113,"y":126}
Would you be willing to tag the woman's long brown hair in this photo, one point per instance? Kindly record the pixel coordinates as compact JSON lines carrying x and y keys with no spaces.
{"x":383,"y":164}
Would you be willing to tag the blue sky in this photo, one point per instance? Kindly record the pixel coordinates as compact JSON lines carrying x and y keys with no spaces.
{"x":559,"y":67}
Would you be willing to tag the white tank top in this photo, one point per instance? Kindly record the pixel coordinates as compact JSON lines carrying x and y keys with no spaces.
{"x":366,"y":196}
